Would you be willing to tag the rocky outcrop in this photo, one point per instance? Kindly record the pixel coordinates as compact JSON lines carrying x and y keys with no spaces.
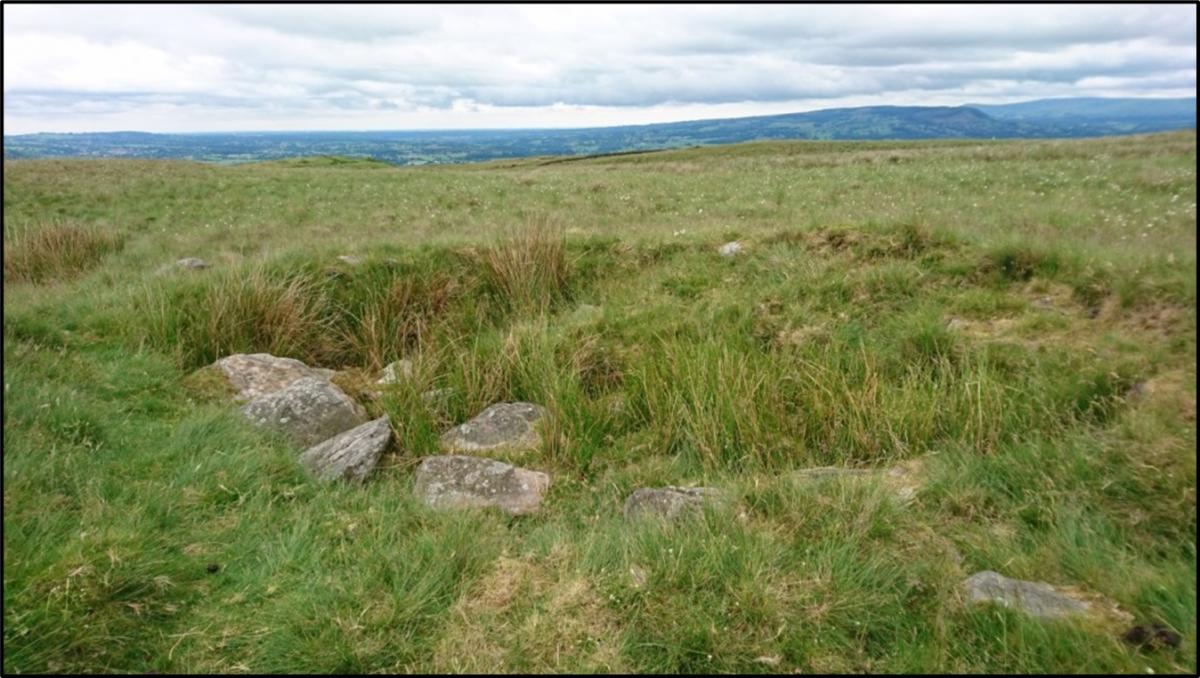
{"x":503,"y":426}
{"x":308,"y":411}
{"x":351,"y":455}
{"x":455,"y":482}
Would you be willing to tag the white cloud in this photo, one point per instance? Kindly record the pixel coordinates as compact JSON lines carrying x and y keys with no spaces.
{"x":222,"y":67}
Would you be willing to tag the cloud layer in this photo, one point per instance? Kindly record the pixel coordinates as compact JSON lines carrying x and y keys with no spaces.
{"x":260,"y":67}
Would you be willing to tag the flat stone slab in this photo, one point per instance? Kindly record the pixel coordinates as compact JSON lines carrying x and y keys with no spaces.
{"x":672,"y":502}
{"x":1034,"y":598}
{"x":351,"y":455}
{"x":308,"y":410}
{"x":456,"y":481}
{"x":257,"y":374}
{"x":509,"y":426}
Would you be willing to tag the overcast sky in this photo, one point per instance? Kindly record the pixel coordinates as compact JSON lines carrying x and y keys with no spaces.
{"x":176,"y":68}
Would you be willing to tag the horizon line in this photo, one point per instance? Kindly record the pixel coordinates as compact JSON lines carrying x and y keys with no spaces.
{"x":590,"y":127}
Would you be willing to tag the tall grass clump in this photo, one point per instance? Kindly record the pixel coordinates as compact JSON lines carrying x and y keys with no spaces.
{"x":385,"y":320}
{"x":57,"y":250}
{"x":528,"y":269}
{"x":240,"y":312}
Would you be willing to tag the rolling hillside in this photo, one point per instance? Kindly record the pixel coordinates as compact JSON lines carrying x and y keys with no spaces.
{"x":1037,"y":119}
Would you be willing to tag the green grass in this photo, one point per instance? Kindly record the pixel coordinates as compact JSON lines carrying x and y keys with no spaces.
{"x":1020,"y":316}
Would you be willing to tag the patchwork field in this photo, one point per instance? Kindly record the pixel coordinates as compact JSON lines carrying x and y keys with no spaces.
{"x":924,"y":360}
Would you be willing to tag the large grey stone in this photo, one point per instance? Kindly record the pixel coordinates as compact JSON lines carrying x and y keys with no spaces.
{"x":458,"y":481}
{"x":257,"y":374}
{"x":350,"y":455}
{"x":509,"y":426}
{"x":1035,"y":598}
{"x":671,"y":502}
{"x":308,"y":410}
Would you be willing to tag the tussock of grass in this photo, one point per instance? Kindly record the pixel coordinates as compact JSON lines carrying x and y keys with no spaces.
{"x":56,"y":250}
{"x":528,"y":268}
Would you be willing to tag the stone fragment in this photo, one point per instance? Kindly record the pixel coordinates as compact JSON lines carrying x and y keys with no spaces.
{"x":350,"y":455}
{"x":671,"y":502}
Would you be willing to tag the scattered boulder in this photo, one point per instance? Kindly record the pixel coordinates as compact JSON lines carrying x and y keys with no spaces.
{"x":471,"y":482}
{"x":258,"y":374}
{"x":671,"y":502}
{"x":395,"y":370}
{"x":308,"y":410}
{"x":507,"y":426}
{"x":192,"y":264}
{"x":350,"y":455}
{"x":730,"y":248}
{"x":1035,"y":598}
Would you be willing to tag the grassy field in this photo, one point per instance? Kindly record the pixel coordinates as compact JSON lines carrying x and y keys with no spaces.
{"x":1014,"y":319}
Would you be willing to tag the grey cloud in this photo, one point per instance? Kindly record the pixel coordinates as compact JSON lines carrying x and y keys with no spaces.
{"x":404,"y":58}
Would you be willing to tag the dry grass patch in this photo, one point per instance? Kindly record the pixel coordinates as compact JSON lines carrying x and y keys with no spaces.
{"x":59,"y":250}
{"x":531,"y":614}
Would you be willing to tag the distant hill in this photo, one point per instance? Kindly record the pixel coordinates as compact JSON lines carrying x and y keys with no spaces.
{"x":1046,"y":118}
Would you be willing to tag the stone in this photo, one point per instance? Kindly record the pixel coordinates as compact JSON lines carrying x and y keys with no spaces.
{"x":902,"y":480}
{"x":823,"y":472}
{"x":456,"y":481}
{"x":503,"y":426}
{"x":671,"y":502}
{"x":192,"y":264}
{"x":395,"y":370}
{"x":258,"y":374}
{"x":730,"y":248}
{"x":585,"y":313}
{"x":1034,"y":598}
{"x":350,"y":455}
{"x":436,"y":395}
{"x":308,"y":411}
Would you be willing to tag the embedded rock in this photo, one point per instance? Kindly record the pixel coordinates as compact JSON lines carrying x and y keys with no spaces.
{"x":730,"y":248}
{"x":452,"y":482}
{"x":395,"y":370}
{"x":351,"y":455}
{"x":192,"y":263}
{"x":1035,"y":598}
{"x":308,"y":410}
{"x":508,"y":426}
{"x":257,"y":374}
{"x":671,"y":502}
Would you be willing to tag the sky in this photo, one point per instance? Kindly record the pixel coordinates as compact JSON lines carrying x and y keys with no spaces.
{"x":195,"y":68}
